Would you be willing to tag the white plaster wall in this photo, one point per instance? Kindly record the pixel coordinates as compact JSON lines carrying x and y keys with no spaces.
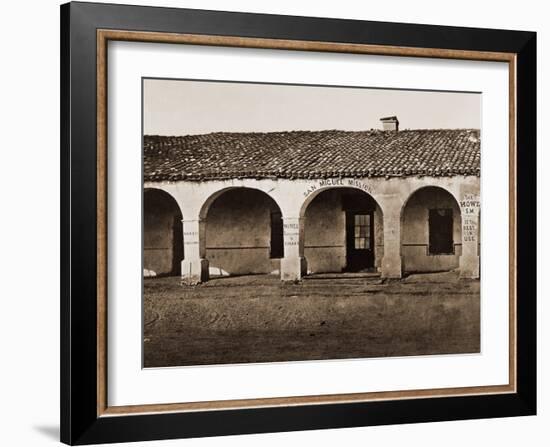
{"x":293,"y":195}
{"x":378,"y":236}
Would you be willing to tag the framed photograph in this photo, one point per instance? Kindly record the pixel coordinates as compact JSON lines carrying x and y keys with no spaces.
{"x":275,"y":223}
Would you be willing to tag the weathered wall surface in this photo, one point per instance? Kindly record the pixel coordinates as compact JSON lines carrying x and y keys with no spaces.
{"x":160,"y":217}
{"x":293,"y":197}
{"x":378,"y":237}
{"x":238,"y":233}
{"x":325,"y":233}
{"x":415,"y":232}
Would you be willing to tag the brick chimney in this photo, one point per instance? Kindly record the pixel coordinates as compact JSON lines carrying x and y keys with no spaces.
{"x":390,"y":123}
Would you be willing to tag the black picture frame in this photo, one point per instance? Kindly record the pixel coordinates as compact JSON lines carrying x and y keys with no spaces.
{"x":80,"y":423}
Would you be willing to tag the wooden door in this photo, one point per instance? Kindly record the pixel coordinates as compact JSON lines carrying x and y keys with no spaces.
{"x":359,"y":240}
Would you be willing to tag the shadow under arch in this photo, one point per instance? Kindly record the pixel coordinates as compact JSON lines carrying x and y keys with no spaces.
{"x":431,"y":230}
{"x":242,"y":232}
{"x":214,"y":196}
{"x":318,"y":191}
{"x":343,"y":230}
{"x":420,"y":188}
{"x":162,"y":237}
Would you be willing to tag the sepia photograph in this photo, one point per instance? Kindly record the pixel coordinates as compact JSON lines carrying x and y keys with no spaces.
{"x":285,"y":222}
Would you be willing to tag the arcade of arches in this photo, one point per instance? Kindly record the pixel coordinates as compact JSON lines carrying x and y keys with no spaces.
{"x":294,"y":228}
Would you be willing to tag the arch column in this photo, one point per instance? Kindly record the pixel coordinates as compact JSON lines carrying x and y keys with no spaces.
{"x":391,"y":266}
{"x":194,"y":267}
{"x":469,"y":260}
{"x":293,"y":265}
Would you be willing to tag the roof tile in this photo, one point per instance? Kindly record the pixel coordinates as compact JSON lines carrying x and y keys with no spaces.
{"x":312,"y":154}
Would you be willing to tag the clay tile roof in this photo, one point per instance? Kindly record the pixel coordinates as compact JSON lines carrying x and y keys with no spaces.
{"x":312,"y":154}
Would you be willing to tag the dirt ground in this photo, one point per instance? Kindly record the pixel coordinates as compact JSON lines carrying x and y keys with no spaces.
{"x":260,"y":319}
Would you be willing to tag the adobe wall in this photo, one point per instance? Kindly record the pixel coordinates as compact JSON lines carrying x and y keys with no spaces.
{"x":159,"y":220}
{"x":415,"y":232}
{"x":238,"y":233}
{"x":293,"y":196}
{"x":324,"y":234}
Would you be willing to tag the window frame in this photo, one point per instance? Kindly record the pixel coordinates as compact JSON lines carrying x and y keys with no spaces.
{"x":429,"y":250}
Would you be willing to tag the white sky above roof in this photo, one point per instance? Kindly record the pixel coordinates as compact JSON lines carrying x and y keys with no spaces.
{"x":181,"y":107}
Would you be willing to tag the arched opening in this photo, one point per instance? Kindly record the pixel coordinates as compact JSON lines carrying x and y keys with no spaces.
{"x":431,"y":231}
{"x":243,"y":233}
{"x":343,"y":231}
{"x":162,"y":234}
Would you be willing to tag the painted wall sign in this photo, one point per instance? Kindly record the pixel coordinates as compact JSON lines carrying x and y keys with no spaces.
{"x":291,"y":232}
{"x":469,"y":206}
{"x":190,"y":237}
{"x":351,"y":183}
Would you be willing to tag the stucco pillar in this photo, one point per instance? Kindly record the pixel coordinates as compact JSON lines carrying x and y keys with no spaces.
{"x":391,"y":262}
{"x":469,"y":260}
{"x":194,"y":267}
{"x":293,"y":265}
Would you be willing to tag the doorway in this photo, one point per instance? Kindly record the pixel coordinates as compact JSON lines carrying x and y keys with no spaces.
{"x":359,"y":240}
